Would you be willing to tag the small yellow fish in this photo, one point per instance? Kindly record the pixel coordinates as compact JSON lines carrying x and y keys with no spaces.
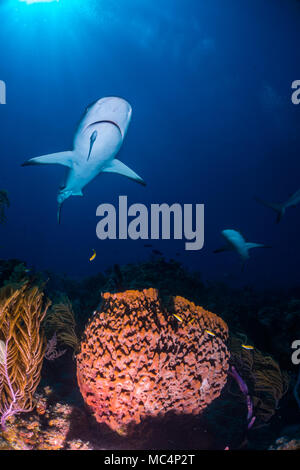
{"x":247,"y":346}
{"x":177,"y":316}
{"x":210,"y":333}
{"x":93,"y":255}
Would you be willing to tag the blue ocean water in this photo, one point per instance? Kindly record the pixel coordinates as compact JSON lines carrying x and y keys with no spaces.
{"x":213,"y":123}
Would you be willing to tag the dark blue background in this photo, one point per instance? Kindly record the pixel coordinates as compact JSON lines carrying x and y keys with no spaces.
{"x":213,"y":123}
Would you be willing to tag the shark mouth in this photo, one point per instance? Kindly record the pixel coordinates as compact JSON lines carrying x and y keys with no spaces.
{"x":109,"y":122}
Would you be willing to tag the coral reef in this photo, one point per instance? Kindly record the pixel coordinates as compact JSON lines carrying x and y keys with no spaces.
{"x":263,"y":375}
{"x":168,"y":277}
{"x":245,"y":391}
{"x":51,"y":352}
{"x":22,"y":310}
{"x":57,"y":425}
{"x":139,"y":360}
{"x":289,"y":441}
{"x":296,"y":389}
{"x":60,"y":321}
{"x":52,"y":426}
{"x":283,"y":443}
{"x":18,"y":275}
{"x":255,"y":384}
{"x":4,"y":203}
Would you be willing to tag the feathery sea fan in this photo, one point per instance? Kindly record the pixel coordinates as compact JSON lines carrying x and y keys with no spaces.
{"x":60,"y":321}
{"x":22,"y":346}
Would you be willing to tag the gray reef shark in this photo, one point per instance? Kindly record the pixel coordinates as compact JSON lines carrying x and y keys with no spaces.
{"x":97,"y":142}
{"x":280,"y":208}
{"x":235,"y":241}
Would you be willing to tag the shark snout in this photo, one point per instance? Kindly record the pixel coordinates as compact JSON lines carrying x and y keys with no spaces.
{"x":115,"y":110}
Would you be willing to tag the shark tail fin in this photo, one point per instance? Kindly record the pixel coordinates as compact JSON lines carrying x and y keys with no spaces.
{"x":61,"y":158}
{"x":59,"y":213}
{"x":279,"y":208}
{"x":280,"y":215}
{"x":118,"y":167}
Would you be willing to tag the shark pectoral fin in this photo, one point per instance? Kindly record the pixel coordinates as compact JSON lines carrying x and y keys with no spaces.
{"x":118,"y":167}
{"x":257,"y":245}
{"x":62,"y":158}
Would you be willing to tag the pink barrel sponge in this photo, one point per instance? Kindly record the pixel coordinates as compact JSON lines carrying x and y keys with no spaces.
{"x":139,"y":360}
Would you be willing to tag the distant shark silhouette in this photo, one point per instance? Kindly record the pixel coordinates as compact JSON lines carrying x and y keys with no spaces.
{"x":235,"y":241}
{"x":98,"y":139}
{"x":280,"y":208}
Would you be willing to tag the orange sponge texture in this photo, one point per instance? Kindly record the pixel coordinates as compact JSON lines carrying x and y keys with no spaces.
{"x":138,"y":360}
